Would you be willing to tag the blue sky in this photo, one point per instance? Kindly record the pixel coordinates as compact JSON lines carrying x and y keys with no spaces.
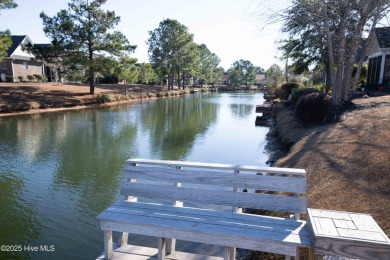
{"x":229,"y":28}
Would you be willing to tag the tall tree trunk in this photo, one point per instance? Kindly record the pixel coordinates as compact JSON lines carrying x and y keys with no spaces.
{"x":91,"y":81}
{"x":339,"y":88}
{"x":332,"y":78}
{"x":364,"y":51}
{"x":286,"y":70}
{"x":178,"y":80}
{"x":183,"y":75}
{"x":171,"y":81}
{"x":167,"y":81}
{"x":354,"y":49}
{"x":90,"y":56}
{"x":125,"y":88}
{"x":328,"y":84}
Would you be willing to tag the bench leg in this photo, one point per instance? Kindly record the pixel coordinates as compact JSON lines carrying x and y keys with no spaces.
{"x":232,"y":253}
{"x":226,"y":253}
{"x":108,"y":244}
{"x":161,"y":248}
{"x":123,"y":239}
{"x":171,"y":246}
{"x":229,"y":253}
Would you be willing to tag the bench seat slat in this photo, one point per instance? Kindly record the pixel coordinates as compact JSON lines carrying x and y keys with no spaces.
{"x":226,"y":179}
{"x":289,"y":171}
{"x":208,"y":213}
{"x":213,"y":230}
{"x":217,"y":197}
{"x":225,"y":218}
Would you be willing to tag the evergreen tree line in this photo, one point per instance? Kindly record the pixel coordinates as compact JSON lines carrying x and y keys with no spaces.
{"x":84,"y":45}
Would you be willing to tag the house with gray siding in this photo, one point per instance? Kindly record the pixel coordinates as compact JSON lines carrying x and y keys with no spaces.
{"x":378,"y":52}
{"x":19,"y":62}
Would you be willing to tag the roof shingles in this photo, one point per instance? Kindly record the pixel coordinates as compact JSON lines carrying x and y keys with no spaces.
{"x":16,"y":41}
{"x":383,"y":36}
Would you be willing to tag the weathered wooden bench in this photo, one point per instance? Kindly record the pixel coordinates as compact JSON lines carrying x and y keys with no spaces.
{"x":215,"y":185}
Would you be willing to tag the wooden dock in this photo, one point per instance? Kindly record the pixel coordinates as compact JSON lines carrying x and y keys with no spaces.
{"x":127,"y":252}
{"x":266,"y":108}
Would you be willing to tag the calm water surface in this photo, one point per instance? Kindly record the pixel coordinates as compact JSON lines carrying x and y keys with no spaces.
{"x":59,"y":170}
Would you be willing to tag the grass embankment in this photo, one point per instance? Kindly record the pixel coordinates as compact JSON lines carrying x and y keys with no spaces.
{"x":32,"y":97}
{"x":347,"y":162}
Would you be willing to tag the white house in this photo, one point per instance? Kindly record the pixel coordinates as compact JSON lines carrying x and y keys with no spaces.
{"x":378,"y":52}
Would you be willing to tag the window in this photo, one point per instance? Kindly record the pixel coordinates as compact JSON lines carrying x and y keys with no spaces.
{"x":3,"y":65}
{"x":25,"y":65}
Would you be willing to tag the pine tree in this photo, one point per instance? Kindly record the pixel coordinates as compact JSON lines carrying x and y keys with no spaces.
{"x":84,"y":34}
{"x":5,"y":36}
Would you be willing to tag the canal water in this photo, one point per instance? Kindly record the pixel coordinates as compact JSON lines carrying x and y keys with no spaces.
{"x":59,"y":170}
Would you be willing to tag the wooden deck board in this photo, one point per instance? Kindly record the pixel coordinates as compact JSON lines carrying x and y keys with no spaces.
{"x":129,"y":252}
{"x":348,"y":234}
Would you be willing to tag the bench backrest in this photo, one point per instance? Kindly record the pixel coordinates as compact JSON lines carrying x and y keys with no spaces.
{"x":277,"y":189}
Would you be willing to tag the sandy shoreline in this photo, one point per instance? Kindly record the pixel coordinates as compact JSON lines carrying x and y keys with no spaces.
{"x":347,"y":162}
{"x":33,"y":98}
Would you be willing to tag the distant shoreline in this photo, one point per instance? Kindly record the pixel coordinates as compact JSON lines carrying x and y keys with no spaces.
{"x":34,"y":98}
{"x":29,"y":98}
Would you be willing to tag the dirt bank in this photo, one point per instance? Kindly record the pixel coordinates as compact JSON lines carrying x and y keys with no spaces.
{"x":34,"y":97}
{"x":347,"y":162}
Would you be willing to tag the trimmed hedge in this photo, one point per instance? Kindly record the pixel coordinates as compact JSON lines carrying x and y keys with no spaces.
{"x":299,"y":92}
{"x":314,"y":107}
{"x":286,"y":89}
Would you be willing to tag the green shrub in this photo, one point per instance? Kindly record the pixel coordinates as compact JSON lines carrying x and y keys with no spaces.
{"x":30,"y":77}
{"x":37,"y":77}
{"x":102,"y":98}
{"x":298,"y":92}
{"x":20,"y":78}
{"x":108,"y":80}
{"x":313,"y":107}
{"x":286,"y":88}
{"x":320,"y":87}
{"x":9,"y":78}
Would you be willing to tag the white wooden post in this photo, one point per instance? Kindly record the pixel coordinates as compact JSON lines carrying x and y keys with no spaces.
{"x":132,"y":198}
{"x":236,"y":189}
{"x":232,"y":253}
{"x":123,"y":239}
{"x":382,"y":71}
{"x":124,"y":236}
{"x":161,"y":248}
{"x":227,"y":253}
{"x":172,"y":242}
{"x":107,"y":244}
{"x":297,"y":216}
